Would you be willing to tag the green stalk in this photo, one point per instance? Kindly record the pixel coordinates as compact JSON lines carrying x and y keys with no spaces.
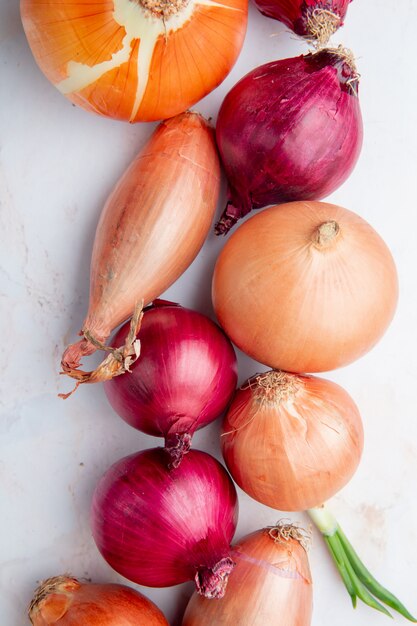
{"x":357,"y":579}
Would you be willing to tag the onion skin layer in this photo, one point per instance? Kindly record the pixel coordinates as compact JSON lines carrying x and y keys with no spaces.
{"x":271,"y":584}
{"x":296,"y":306}
{"x":159,"y":527}
{"x":298,"y":14}
{"x":67,"y":602}
{"x":152,"y":226}
{"x":292,"y":442}
{"x":119,"y":61}
{"x":289,"y":130}
{"x":184,"y":378}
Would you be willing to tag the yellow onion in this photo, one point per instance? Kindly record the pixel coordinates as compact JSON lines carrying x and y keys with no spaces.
{"x":151,"y":228}
{"x":305,"y":287}
{"x":136,"y":60}
{"x":270,"y":584}
{"x":65,"y":601}
{"x":290,"y":441}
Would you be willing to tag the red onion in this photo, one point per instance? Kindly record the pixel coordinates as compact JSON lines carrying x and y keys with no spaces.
{"x":289,"y":130}
{"x":316,"y":20}
{"x":183,"y":380}
{"x":160,"y":527}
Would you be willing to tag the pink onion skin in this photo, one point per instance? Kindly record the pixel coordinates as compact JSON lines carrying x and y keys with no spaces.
{"x":159,"y":527}
{"x":184,"y":378}
{"x":289,"y":130}
{"x":296,"y":13}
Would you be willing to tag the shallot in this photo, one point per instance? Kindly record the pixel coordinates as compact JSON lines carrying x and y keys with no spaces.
{"x":151,"y":228}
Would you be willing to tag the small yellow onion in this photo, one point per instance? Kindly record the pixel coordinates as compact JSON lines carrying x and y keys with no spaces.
{"x":290,"y":441}
{"x":270,"y":584}
{"x":65,"y":601}
{"x":305,"y":287}
{"x":135,"y":60}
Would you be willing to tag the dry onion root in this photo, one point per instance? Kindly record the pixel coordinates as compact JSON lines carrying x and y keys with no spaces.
{"x":291,"y":442}
{"x":151,"y":228}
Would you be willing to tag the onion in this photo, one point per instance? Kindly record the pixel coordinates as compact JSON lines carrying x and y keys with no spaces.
{"x":315,"y":20}
{"x":289,"y":130}
{"x":293,"y":441}
{"x":271,"y":584}
{"x":67,"y":602}
{"x":184,"y":379}
{"x":160,"y":527}
{"x":290,"y":441}
{"x":151,"y":228}
{"x":136,"y":60}
{"x":305,"y":287}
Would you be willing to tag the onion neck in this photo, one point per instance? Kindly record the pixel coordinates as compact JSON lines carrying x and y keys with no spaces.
{"x":161,"y":9}
{"x":343,"y":62}
{"x":325,"y":235}
{"x":211,"y":582}
{"x":274,"y":387}
{"x":177,"y":444}
{"x":52,"y":600}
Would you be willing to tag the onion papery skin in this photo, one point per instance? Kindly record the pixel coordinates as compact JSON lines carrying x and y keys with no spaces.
{"x":184,"y":378}
{"x":120,"y":61}
{"x":159,"y":527}
{"x":68,"y":602}
{"x":289,"y":130}
{"x":271,"y":584}
{"x":300,"y":306}
{"x":152,"y":226}
{"x":301,"y":16}
{"x":292,"y":442}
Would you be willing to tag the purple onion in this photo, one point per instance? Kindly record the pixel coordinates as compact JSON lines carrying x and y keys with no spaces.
{"x":315,"y":20}
{"x":159,"y":527}
{"x":289,"y":130}
{"x":183,"y":380}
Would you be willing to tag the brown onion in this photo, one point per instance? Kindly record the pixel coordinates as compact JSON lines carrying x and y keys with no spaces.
{"x":68,"y":602}
{"x":290,"y":441}
{"x":271,"y":584}
{"x":151,"y":228}
{"x":305,"y":287}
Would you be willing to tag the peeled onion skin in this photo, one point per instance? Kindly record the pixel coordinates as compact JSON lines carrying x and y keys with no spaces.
{"x":292,"y":442}
{"x":316,"y":20}
{"x":296,"y":301}
{"x":160,"y":527}
{"x":289,"y":130}
{"x":183,"y":380}
{"x":150,"y":230}
{"x":135,"y":60}
{"x":67,"y":602}
{"x":271,"y":584}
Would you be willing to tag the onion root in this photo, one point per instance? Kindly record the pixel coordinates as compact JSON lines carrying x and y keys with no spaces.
{"x":117,"y":362}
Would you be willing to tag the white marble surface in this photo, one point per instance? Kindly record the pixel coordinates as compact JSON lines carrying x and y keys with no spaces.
{"x":57,"y":165}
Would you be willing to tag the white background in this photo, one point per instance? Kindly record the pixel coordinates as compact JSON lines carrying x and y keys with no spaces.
{"x":58,"y":164}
